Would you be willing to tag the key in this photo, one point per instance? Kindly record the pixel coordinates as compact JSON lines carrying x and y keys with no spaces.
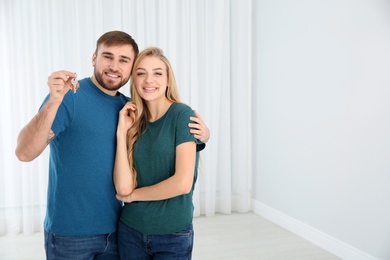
{"x":75,"y":84}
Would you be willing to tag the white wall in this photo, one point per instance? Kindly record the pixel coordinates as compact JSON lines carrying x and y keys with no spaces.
{"x":322,"y":117}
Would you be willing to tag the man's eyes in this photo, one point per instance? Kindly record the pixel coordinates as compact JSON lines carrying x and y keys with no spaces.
{"x":111,"y":58}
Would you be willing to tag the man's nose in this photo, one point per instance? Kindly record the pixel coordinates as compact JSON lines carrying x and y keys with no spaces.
{"x":114,"y":65}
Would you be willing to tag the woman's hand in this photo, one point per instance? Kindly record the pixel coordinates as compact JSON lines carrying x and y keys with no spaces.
{"x":126,"y":117}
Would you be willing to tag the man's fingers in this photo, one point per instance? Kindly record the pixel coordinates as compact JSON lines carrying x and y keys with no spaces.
{"x":64,"y":75}
{"x":198,"y":115}
{"x":195,"y":125}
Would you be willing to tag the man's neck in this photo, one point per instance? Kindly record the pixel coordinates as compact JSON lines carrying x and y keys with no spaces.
{"x":108,"y":92}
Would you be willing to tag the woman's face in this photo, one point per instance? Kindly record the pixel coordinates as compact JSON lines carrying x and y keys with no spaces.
{"x":151,"y":79}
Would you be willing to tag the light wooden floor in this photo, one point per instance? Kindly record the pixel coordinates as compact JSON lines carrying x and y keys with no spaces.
{"x":236,"y":236}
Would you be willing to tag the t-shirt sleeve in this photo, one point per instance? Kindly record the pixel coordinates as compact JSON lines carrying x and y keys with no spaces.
{"x":64,"y":114}
{"x":183,"y":130}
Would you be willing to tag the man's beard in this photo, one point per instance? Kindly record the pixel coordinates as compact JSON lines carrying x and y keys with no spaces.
{"x":99,"y":79}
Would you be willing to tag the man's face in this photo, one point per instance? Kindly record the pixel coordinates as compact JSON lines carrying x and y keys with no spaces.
{"x":112,"y":66}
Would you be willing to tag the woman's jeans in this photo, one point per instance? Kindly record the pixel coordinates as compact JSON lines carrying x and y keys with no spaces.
{"x":136,"y":245}
{"x":94,"y":247}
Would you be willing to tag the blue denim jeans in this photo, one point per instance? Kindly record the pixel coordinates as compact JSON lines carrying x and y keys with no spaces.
{"x":136,"y":245}
{"x":94,"y":247}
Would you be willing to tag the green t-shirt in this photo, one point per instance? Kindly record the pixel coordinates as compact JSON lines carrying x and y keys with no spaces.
{"x":154,"y":160}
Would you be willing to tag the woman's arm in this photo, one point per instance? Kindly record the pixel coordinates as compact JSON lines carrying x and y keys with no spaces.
{"x":178,"y":184}
{"x":123,"y":175}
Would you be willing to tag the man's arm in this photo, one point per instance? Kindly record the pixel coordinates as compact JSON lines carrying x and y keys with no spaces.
{"x":37,"y":134}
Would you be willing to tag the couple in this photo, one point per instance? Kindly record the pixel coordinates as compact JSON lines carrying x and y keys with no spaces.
{"x":146,"y":157}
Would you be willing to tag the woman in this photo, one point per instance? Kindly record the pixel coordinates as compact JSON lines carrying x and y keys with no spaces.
{"x":156,"y":165}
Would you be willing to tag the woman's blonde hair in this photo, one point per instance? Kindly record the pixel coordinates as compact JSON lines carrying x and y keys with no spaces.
{"x":142,"y":113}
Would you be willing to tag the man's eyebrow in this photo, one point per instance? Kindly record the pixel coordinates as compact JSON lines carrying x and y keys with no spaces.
{"x":125,"y":57}
{"x":107,"y":53}
{"x":110,"y":54}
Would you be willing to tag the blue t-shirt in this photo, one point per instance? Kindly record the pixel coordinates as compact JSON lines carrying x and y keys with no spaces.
{"x":154,"y":160}
{"x":81,"y":194}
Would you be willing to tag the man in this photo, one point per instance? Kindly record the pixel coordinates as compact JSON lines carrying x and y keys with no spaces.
{"x":80,"y":126}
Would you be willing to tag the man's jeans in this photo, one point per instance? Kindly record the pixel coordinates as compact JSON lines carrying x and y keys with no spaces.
{"x":92,"y":247}
{"x":136,"y":245}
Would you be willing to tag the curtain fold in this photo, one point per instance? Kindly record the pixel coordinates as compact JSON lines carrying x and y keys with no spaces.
{"x":209,"y":46}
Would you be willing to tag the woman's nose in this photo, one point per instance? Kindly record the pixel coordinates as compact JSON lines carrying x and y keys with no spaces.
{"x":148,"y":78}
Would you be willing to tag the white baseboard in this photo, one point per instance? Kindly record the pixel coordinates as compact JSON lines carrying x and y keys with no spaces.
{"x":312,"y":235}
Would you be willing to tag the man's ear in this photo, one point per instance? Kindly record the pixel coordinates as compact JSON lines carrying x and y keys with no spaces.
{"x":93,"y":59}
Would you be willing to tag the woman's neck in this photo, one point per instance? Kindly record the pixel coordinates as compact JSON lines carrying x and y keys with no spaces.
{"x":158,"y":108}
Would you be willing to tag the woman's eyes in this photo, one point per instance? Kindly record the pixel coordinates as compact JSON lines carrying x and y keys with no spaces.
{"x":155,"y":74}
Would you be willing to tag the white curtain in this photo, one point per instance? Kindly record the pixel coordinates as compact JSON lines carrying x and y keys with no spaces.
{"x":209,"y":45}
